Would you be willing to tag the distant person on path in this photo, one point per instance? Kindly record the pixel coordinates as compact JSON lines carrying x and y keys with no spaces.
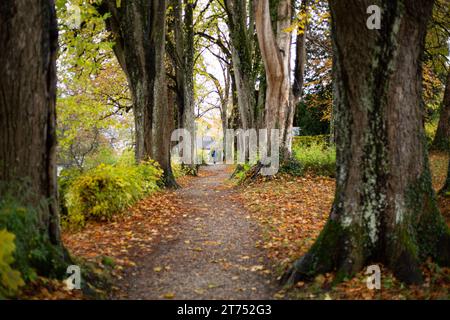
{"x":213,"y":155}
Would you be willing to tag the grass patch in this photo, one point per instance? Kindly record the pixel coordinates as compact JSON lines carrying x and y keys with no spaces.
{"x":317,"y":159}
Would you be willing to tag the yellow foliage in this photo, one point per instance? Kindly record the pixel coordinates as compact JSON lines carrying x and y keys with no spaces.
{"x":107,"y":190}
{"x":10,"y":279}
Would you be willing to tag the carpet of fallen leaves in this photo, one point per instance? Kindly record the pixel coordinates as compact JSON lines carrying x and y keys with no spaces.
{"x":293,"y":211}
{"x":129,"y":236}
{"x":116,"y":244}
{"x":49,"y":289}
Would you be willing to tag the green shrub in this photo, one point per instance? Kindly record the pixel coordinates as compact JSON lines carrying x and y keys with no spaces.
{"x":310,"y":154}
{"x":240,"y":172}
{"x":10,"y":279}
{"x":430,"y":131}
{"x":107,"y":190}
{"x":292,"y":167}
{"x":68,"y":175}
{"x":65,"y":179}
{"x":316,"y":158}
{"x":177,"y":170}
{"x":180,"y":170}
{"x":307,"y":141}
{"x":126,"y":159}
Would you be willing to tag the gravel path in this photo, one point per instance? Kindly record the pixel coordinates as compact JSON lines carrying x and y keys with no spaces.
{"x":213,"y":256}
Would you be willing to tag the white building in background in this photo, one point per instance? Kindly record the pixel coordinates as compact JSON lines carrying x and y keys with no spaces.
{"x":296,"y":131}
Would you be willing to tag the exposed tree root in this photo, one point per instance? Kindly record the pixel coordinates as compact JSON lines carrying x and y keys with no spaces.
{"x":321,"y":258}
{"x":332,"y":252}
{"x":250,"y":175}
{"x":170,"y":182}
{"x":253,"y":173}
{"x":289,"y":166}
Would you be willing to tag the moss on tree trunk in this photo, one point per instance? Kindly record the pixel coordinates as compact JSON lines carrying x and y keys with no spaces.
{"x":139,"y":30}
{"x":385,"y":209}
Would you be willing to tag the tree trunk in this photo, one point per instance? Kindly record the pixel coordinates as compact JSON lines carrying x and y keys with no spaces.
{"x":184,"y":71}
{"x":234,"y":120}
{"x":28,"y":42}
{"x":275,"y":51}
{"x":385,"y":209}
{"x":139,"y":29}
{"x":224,"y":110}
{"x":243,"y":51}
{"x":335,"y":89}
{"x":441,"y":139}
{"x":224,"y":141}
{"x":300,"y":55}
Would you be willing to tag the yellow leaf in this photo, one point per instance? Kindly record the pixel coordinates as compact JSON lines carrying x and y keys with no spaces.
{"x":256,"y":268}
{"x":169,"y":295}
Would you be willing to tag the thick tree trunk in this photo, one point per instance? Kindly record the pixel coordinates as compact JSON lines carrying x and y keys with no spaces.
{"x":441,"y":139}
{"x":184,"y":71}
{"x":385,"y":209}
{"x":243,"y":51}
{"x":28,"y":47}
{"x":139,"y":29}
{"x":275,"y":51}
{"x":245,"y":94}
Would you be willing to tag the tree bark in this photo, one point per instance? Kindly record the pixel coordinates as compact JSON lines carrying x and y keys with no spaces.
{"x":183,"y":55}
{"x":28,"y":48}
{"x":300,"y":55}
{"x":139,"y":30}
{"x":385,"y":209}
{"x":275,"y":50}
{"x":239,"y":12}
{"x":234,"y":120}
{"x":224,"y":93}
{"x":441,"y":139}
